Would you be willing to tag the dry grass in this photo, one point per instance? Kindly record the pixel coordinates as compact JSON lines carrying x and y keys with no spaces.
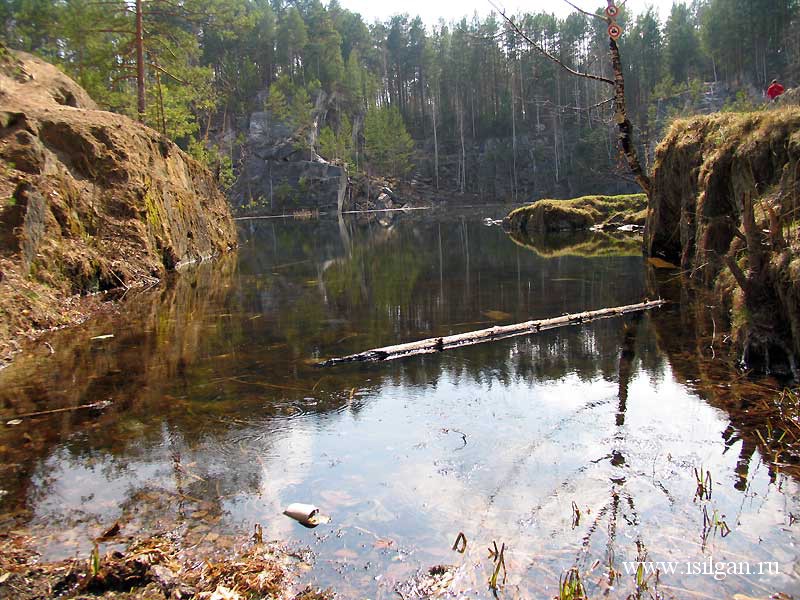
{"x":151,"y":569}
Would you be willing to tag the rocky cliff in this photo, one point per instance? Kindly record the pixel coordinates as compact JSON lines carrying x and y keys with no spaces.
{"x":280,"y":174}
{"x":725,"y":207}
{"x":89,"y":200}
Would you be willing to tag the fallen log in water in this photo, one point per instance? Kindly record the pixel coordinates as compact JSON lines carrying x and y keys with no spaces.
{"x":440,"y":344}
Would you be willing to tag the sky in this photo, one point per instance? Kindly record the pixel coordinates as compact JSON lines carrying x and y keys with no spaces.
{"x":432,"y":10}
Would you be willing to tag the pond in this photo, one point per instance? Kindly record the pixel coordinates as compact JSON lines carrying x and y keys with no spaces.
{"x":590,"y":446}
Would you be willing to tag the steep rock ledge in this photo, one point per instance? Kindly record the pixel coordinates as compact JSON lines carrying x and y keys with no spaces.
{"x":280,"y":174}
{"x":89,"y":200}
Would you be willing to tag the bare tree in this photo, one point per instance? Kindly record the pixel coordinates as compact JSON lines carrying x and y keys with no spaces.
{"x":624,"y":126}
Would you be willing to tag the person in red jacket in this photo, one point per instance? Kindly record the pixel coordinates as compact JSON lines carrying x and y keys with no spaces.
{"x":774,"y":90}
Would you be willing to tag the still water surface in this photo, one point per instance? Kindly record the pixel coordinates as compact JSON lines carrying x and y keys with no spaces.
{"x":219,"y":417}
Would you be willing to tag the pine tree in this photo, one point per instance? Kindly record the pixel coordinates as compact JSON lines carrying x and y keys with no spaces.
{"x":388,"y":144}
{"x":291,"y":42}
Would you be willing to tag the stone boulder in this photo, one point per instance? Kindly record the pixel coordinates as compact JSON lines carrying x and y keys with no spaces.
{"x":89,"y":201}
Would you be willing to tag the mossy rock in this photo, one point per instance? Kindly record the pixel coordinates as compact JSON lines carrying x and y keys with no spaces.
{"x":577,"y":213}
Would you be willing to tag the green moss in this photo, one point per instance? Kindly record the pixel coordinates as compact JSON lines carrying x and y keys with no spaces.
{"x":151,"y":203}
{"x":578,"y":213}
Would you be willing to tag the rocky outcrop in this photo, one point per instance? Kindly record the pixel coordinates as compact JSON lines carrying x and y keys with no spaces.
{"x":599,"y":212}
{"x":281,"y":174}
{"x":724,"y":206}
{"x":90,"y":200}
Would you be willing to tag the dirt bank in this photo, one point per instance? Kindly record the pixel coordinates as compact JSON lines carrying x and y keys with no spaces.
{"x":156,"y":568}
{"x":577,"y":213}
{"x":725,"y":207}
{"x":89,"y":201}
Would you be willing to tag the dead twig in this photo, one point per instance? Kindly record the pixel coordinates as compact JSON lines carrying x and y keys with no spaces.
{"x":41,"y":413}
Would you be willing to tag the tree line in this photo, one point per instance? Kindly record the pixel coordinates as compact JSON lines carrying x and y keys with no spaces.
{"x":465,"y":91}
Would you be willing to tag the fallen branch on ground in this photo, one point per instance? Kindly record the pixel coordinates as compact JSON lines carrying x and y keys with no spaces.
{"x":440,"y":344}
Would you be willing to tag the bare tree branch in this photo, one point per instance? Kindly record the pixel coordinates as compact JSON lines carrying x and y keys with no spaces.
{"x":586,"y":12}
{"x":167,"y":73}
{"x":737,"y":272}
{"x":572,"y":108}
{"x":624,"y":126}
{"x":544,"y":52}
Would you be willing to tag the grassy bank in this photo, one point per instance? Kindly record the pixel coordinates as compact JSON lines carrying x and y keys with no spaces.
{"x":578,"y":213}
{"x":725,"y":207}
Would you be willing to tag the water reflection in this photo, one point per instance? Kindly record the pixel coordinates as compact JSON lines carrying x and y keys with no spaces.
{"x":219,"y":416}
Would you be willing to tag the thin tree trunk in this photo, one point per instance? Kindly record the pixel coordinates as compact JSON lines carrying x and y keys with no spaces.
{"x":463,"y":174}
{"x":522,"y":91}
{"x":624,"y":127}
{"x":141,"y":102}
{"x":513,"y":137}
{"x":555,"y":143}
{"x":472,"y":109}
{"x":435,"y":143}
{"x":162,"y":116}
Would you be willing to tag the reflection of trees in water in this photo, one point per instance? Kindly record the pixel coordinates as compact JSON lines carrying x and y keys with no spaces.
{"x":703,"y":360}
{"x":223,"y":351}
{"x":142,"y":370}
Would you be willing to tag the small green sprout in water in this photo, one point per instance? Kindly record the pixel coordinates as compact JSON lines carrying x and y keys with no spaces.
{"x":570,"y":586}
{"x":613,"y":574}
{"x":641,"y":580}
{"x":703,"y":480}
{"x":94,"y":561}
{"x":713,"y":523}
{"x":498,"y":557}
{"x":644,"y":582}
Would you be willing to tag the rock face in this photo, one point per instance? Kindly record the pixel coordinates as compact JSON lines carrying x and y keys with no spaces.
{"x":724,"y":206}
{"x":90,"y":200}
{"x":279,"y":175}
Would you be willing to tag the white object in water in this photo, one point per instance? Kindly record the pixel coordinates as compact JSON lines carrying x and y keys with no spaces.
{"x":307,"y":515}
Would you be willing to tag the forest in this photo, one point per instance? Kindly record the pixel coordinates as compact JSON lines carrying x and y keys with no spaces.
{"x":470,"y":106}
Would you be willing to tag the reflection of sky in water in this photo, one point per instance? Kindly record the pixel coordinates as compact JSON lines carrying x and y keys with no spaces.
{"x":380,"y":448}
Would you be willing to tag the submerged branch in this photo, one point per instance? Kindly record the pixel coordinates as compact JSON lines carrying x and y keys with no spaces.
{"x":431,"y":345}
